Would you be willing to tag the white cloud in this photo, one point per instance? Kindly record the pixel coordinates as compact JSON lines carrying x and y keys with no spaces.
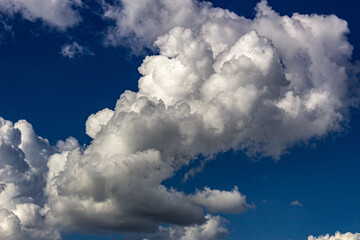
{"x":202,"y":95}
{"x":96,"y":121}
{"x":149,"y":19}
{"x":57,"y":13}
{"x":337,"y":236}
{"x":10,"y":227}
{"x":213,"y":229}
{"x":216,"y":201}
{"x":219,"y":82}
{"x":296,"y":203}
{"x":23,"y":159}
{"x":74,"y":50}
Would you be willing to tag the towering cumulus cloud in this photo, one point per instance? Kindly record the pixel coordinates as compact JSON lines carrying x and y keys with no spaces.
{"x":219,"y":82}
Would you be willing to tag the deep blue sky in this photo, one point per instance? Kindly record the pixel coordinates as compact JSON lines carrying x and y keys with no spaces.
{"x":56,"y":95}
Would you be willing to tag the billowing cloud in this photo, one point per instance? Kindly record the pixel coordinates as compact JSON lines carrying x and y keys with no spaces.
{"x":337,"y":236}
{"x":23,"y":166}
{"x":57,"y":13}
{"x":219,"y":82}
{"x":216,"y":201}
{"x":75,"y":50}
{"x":251,"y":89}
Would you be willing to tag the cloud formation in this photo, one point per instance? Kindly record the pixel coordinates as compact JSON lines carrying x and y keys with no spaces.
{"x":296,"y":203}
{"x":216,"y":201}
{"x":75,"y":50}
{"x":23,"y":166}
{"x":57,"y":13}
{"x":337,"y":236}
{"x":213,"y":229}
{"x":218,"y":82}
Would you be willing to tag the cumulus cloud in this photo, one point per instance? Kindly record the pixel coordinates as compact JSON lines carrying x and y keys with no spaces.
{"x":218,"y":82}
{"x":251,"y":89}
{"x":57,"y":13}
{"x":23,"y":166}
{"x":75,"y":50}
{"x":337,"y":236}
{"x":96,"y":121}
{"x":216,"y":201}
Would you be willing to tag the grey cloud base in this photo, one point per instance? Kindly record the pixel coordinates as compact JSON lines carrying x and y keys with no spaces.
{"x":219,"y":82}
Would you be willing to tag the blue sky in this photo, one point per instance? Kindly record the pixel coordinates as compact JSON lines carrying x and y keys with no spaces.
{"x":56,"y":95}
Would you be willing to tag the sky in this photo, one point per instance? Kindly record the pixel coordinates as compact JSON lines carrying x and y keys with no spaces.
{"x":180,"y":120}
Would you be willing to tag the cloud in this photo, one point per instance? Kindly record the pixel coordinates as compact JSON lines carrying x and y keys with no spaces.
{"x":23,"y":159}
{"x":296,"y":203}
{"x":251,"y":89}
{"x":57,"y":13}
{"x":146,"y":20}
{"x":337,"y":236}
{"x":96,"y":121}
{"x":216,"y":201}
{"x":75,"y":50}
{"x":213,"y":229}
{"x":219,"y":82}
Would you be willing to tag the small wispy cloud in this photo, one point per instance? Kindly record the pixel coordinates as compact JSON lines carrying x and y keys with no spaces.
{"x":296,"y":203}
{"x":74,"y":49}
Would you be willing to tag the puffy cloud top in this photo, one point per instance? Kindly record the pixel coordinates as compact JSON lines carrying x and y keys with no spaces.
{"x":23,"y":159}
{"x":337,"y":236}
{"x":261,"y":87}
